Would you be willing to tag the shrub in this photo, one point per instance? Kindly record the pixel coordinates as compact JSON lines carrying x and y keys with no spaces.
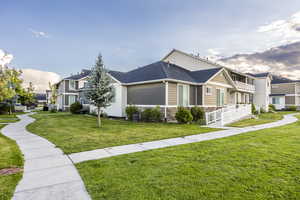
{"x":45,"y":108}
{"x":253,"y":109}
{"x":262,"y":110}
{"x":292,"y":108}
{"x":183,"y":115}
{"x":53,"y":110}
{"x":198,"y":113}
{"x":75,"y":108}
{"x":272,"y":107}
{"x":151,"y":115}
{"x":130,"y":111}
{"x":201,"y":121}
{"x":4,"y":108}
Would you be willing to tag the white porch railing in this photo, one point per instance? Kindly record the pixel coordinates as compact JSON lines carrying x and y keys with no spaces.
{"x":228,"y":114}
{"x":244,"y":86}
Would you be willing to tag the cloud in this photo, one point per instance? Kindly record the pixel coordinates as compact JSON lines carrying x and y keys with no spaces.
{"x":39,"y":34}
{"x":5,"y":58}
{"x":283,"y":60}
{"x":282,"y":31}
{"x":40,"y":79}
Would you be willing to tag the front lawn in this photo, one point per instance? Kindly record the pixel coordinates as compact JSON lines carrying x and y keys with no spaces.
{"x":76,"y":133}
{"x":262,"y":119}
{"x":262,"y":165}
{"x":9,"y":118}
{"x":10,"y":157}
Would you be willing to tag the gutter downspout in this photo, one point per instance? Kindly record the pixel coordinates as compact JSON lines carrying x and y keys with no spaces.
{"x":166,"y":99}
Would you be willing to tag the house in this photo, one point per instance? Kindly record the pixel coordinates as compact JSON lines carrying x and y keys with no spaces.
{"x":285,"y":92}
{"x":179,"y":79}
{"x":67,"y":90}
{"x":41,"y":99}
{"x":262,"y":84}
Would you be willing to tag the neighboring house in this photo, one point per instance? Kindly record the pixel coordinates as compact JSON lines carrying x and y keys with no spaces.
{"x":262,"y":84}
{"x":285,"y":92}
{"x":41,"y":99}
{"x":68,"y":90}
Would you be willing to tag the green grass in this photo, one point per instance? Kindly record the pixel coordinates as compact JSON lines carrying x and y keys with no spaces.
{"x":262,"y":119}
{"x":10,"y":156}
{"x":76,"y":133}
{"x":6,"y":118}
{"x":257,"y":165}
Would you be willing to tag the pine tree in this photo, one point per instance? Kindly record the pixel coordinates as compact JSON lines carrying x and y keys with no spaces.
{"x":99,"y":87}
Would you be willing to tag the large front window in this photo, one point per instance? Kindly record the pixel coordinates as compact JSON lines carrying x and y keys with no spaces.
{"x":72,"y":99}
{"x":275,"y":100}
{"x":183,"y":95}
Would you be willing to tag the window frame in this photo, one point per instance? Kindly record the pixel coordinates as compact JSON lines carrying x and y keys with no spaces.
{"x":72,"y":88}
{"x":188,"y":94}
{"x":208,"y":93}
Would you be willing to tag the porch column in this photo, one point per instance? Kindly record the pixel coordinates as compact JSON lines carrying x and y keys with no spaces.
{"x":166,"y":99}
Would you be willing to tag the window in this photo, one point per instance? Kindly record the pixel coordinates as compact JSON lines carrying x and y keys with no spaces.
{"x":72,"y":99}
{"x":72,"y":85}
{"x":183,"y":95}
{"x":208,"y":90}
{"x":275,"y":100}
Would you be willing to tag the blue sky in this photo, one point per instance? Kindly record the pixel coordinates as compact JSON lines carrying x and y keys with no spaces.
{"x":64,"y":36}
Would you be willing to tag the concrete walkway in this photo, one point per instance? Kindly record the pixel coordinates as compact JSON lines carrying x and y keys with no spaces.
{"x":48,"y":173}
{"x":132,"y":148}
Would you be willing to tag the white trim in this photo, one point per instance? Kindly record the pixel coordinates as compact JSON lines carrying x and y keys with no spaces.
{"x":220,"y":84}
{"x":292,"y":95}
{"x":162,"y":80}
{"x":114,"y":78}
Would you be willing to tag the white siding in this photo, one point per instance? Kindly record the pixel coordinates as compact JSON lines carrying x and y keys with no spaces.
{"x":262,"y":92}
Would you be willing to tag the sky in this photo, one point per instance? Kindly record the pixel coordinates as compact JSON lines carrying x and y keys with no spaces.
{"x":65,"y":36}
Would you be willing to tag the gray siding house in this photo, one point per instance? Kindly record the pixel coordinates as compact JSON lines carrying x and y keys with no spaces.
{"x":285,"y":92}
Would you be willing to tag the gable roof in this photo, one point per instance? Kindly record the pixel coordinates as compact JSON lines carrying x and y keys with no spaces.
{"x":84,"y":73}
{"x":260,"y":75}
{"x":163,"y":70}
{"x":280,"y":79}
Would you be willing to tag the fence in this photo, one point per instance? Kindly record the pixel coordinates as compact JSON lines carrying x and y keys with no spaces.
{"x":228,"y":114}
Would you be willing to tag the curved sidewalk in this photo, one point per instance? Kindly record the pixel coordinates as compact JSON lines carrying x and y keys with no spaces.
{"x":132,"y":148}
{"x":48,"y":173}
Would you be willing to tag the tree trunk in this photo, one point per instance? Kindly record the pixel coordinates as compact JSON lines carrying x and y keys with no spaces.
{"x":99,"y":118}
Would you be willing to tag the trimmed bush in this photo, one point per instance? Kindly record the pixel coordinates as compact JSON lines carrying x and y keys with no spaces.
{"x":75,"y":108}
{"x":183,"y":115}
{"x":4,"y":108}
{"x":130,"y":111}
{"x":253,"y":109}
{"x":272,"y":107}
{"x":292,"y":108}
{"x":198,"y":113}
{"x":262,"y":110}
{"x":151,"y":115}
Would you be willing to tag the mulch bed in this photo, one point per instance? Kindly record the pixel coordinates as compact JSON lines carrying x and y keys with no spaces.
{"x":11,"y":170}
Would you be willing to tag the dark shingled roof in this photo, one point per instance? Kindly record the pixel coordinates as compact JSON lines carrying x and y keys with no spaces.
{"x":40,"y":96}
{"x":84,"y":73}
{"x":156,"y":71}
{"x":280,"y":79}
{"x":259,"y":75}
{"x":164,"y":70}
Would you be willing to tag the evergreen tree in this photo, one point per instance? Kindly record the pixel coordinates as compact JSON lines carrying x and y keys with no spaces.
{"x":99,"y":87}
